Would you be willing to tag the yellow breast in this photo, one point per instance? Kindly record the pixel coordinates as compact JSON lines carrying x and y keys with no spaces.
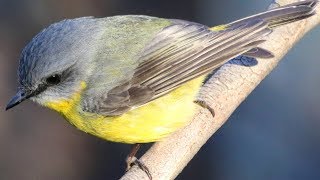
{"x":147,"y":123}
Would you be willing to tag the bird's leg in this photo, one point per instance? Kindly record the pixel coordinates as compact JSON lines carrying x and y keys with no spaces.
{"x":132,"y":160}
{"x":205,"y":105}
{"x":131,"y":157}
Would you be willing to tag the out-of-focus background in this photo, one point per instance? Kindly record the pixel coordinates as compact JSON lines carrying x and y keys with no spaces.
{"x":274,"y":134}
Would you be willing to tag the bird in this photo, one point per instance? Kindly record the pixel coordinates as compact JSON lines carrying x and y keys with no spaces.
{"x":134,"y":78}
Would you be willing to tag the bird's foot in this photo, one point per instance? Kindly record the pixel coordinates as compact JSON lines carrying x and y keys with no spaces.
{"x":205,"y":105}
{"x":132,"y":160}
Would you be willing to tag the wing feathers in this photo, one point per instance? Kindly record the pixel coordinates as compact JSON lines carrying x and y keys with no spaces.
{"x":179,"y":53}
{"x":184,"y":51}
{"x":205,"y":55}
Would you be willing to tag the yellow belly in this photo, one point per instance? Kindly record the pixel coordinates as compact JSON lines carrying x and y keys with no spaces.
{"x":147,"y":123}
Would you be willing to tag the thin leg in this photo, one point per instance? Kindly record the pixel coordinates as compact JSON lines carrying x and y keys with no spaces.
{"x":132,"y":160}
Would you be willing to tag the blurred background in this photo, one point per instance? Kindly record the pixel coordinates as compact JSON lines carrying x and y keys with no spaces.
{"x":274,"y":134}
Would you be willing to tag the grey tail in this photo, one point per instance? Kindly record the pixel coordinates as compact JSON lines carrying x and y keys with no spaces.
{"x":283,"y":14}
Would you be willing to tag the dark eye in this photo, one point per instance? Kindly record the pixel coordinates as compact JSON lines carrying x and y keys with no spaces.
{"x":54,"y":79}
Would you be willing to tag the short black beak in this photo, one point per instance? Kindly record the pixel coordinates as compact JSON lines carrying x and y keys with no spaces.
{"x":17,"y":99}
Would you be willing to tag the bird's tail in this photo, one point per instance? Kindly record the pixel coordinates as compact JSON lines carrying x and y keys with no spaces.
{"x":283,"y":14}
{"x":273,"y":18}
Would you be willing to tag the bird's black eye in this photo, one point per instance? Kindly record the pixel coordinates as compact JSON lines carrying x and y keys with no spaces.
{"x":54,"y":79}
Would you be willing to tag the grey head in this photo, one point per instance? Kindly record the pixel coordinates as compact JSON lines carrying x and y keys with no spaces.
{"x":49,"y":63}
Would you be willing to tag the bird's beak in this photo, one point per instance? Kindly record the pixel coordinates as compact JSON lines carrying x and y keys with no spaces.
{"x":18,"y":98}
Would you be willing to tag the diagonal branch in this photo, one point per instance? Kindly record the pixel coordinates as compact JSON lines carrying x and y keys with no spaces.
{"x":223,"y":92}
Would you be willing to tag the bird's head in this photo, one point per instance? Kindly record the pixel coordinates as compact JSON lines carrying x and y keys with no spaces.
{"x":55,"y":63}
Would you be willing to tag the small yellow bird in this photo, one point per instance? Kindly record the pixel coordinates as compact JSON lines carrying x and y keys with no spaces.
{"x":133,"y":79}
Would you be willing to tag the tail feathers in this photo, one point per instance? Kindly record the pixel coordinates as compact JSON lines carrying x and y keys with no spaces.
{"x":284,"y":14}
{"x":277,"y":17}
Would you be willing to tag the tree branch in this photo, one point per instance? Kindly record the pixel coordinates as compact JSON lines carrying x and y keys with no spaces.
{"x":223,"y":92}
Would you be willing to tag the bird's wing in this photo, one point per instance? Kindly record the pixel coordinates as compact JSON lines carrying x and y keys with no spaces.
{"x":181,"y":53}
{"x":177,"y":54}
{"x":185,"y":50}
